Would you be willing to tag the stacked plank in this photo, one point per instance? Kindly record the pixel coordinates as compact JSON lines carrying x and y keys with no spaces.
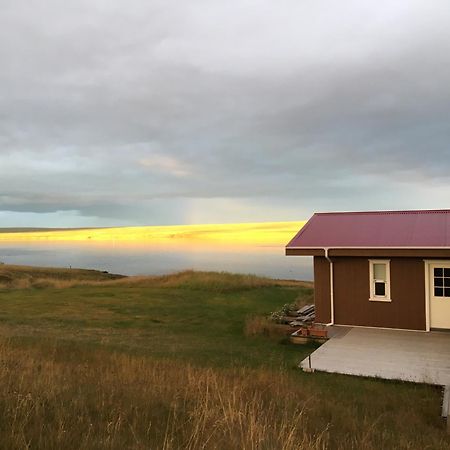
{"x":301,"y":317}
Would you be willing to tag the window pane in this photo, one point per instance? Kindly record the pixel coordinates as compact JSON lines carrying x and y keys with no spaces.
{"x":379,"y":272}
{"x":438,"y":272}
{"x":439,"y":282}
{"x":447,"y":282}
{"x":438,"y":292}
{"x":447,"y":292}
{"x":380,"y":289}
{"x":446,"y":272}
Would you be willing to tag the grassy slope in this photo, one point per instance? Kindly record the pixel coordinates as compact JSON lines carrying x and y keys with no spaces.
{"x":196,"y":319}
{"x":193,"y":316}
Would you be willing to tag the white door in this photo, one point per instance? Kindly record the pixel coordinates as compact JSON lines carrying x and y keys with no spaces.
{"x":440,"y":295}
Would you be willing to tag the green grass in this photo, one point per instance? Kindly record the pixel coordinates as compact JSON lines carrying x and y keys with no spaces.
{"x":63,"y":345}
{"x":200,"y":323}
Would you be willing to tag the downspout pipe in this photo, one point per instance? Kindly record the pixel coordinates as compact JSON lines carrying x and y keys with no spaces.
{"x":331,"y":286}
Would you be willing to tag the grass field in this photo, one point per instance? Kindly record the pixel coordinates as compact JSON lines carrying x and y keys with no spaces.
{"x":92,"y":360}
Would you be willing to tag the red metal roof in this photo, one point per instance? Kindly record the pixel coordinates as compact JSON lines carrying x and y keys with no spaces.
{"x":426,"y":228}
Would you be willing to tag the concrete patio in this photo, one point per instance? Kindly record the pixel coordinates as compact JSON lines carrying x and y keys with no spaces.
{"x":390,"y":354}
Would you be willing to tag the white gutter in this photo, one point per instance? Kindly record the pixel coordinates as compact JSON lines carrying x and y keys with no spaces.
{"x":331,"y":287}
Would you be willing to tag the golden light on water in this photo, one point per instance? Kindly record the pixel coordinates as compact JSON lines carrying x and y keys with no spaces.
{"x":253,"y":234}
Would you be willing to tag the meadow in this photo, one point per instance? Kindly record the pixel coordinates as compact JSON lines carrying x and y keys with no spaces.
{"x":95,"y":360}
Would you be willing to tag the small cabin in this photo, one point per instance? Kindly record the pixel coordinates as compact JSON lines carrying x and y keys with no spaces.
{"x":385,"y":269}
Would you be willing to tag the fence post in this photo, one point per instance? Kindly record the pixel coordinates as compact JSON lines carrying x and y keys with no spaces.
{"x":446,"y":406}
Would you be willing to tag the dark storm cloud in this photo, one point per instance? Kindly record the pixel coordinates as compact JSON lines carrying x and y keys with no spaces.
{"x":159,"y":112}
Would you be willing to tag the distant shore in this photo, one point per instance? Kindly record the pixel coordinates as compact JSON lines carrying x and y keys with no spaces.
{"x":34,"y":230}
{"x":260,"y":233}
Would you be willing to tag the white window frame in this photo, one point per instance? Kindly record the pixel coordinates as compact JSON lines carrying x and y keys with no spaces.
{"x":387,"y":296}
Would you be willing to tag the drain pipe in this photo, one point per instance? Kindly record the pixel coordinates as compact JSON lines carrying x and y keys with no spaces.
{"x":331,"y":287}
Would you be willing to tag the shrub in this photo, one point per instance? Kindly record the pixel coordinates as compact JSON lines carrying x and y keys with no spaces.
{"x":263,"y":326}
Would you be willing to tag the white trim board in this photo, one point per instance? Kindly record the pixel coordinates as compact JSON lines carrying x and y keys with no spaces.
{"x":428,"y":264}
{"x":380,"y":328}
{"x":427,"y":293}
{"x":373,"y":297}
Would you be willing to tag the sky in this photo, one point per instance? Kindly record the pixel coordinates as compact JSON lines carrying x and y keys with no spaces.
{"x":166,"y":112}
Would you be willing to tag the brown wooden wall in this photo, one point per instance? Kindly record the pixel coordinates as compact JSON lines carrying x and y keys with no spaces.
{"x":322,"y":289}
{"x":352,"y":291}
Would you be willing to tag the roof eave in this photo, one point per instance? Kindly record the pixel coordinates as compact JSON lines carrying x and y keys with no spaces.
{"x":399,"y":251}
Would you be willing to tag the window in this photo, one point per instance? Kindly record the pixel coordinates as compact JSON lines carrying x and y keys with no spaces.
{"x":380,"y":280}
{"x":441,"y":277}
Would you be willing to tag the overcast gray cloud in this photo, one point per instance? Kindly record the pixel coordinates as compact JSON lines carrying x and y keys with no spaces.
{"x":153,"y":112}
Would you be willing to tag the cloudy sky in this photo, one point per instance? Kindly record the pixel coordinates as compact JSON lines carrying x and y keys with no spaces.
{"x":204,"y":111}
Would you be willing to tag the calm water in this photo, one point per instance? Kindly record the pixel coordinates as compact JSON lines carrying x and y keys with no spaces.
{"x":147,"y":259}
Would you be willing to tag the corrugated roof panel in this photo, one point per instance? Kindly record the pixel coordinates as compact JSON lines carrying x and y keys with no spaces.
{"x":426,"y":228}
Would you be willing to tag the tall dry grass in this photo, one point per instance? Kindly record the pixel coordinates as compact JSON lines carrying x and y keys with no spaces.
{"x":54,"y":398}
{"x":63,"y":396}
{"x":22,"y":277}
{"x":263,"y":326}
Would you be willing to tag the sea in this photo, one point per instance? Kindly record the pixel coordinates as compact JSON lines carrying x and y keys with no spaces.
{"x":147,"y":259}
{"x":143,"y":258}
